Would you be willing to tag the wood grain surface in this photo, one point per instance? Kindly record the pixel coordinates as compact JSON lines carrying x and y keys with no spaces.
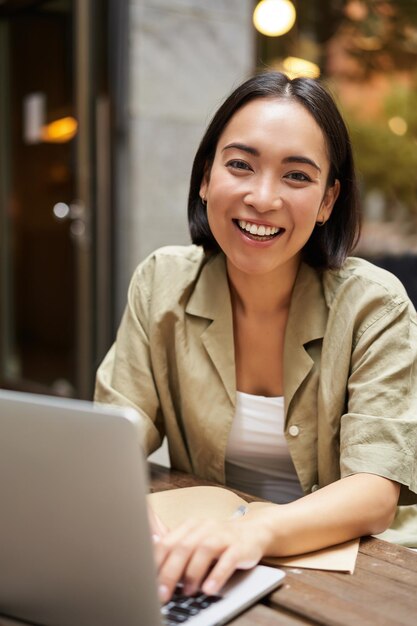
{"x":381,"y":592}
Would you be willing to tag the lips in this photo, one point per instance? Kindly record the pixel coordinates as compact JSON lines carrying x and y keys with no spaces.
{"x":259,"y":231}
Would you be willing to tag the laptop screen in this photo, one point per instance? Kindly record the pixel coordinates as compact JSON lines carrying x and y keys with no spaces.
{"x":74,"y":543}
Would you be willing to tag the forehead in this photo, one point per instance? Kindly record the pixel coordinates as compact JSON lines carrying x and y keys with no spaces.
{"x":282,"y":122}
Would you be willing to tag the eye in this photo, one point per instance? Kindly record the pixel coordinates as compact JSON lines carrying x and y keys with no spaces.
{"x":237,"y":164}
{"x":299,"y":177}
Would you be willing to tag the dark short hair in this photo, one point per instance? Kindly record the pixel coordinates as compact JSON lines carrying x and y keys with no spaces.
{"x":329,"y":244}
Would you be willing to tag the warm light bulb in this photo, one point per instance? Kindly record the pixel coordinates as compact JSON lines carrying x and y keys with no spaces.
{"x":60,"y":131}
{"x":398,"y":125}
{"x":274,"y":17}
{"x":294,"y":67}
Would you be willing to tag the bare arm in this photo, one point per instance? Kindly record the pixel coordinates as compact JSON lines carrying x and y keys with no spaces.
{"x":360,"y":504}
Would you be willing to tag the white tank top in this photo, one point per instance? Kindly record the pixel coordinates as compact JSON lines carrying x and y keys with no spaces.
{"x":258,"y":460}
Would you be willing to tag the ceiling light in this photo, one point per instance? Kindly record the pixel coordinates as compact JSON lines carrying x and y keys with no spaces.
{"x":294,"y":67}
{"x":274,"y":17}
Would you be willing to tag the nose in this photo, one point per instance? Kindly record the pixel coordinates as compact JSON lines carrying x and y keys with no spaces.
{"x":264,"y":195}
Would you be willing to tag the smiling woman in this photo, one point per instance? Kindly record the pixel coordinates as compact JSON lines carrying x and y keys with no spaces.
{"x":280,"y":185}
{"x":270,"y":360}
{"x":326,"y":248}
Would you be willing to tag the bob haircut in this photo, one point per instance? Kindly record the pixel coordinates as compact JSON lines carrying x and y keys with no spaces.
{"x":330,"y":244}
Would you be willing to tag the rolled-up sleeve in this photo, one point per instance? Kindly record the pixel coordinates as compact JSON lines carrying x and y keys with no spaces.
{"x":379,"y":430}
{"x":125,"y":377}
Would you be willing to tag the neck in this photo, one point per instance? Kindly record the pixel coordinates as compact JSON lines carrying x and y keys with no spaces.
{"x":265,"y":294}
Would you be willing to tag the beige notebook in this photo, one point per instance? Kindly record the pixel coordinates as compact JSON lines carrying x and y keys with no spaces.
{"x":217,"y":503}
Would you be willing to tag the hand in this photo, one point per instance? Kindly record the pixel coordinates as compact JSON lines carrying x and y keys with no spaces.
{"x":204,"y":554}
{"x":158,"y":528}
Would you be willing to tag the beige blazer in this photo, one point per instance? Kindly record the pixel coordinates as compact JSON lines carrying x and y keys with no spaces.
{"x":350,"y":368}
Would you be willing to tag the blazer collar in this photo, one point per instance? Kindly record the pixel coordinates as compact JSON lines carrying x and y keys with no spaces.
{"x":211,"y":295}
{"x":211,"y":300}
{"x":307,"y":321}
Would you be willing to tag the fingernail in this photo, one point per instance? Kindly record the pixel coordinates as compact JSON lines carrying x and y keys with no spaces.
{"x":210,"y":586}
{"x":163,"y":593}
{"x":156,"y":538}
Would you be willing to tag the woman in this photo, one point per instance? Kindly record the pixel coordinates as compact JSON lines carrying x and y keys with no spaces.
{"x":269,"y":359}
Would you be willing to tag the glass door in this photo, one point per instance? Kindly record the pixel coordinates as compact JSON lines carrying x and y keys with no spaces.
{"x":48,"y":124}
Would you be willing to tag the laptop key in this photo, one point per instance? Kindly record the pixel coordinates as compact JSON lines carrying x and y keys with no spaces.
{"x":181,"y":607}
{"x":171,"y":618}
{"x":184,"y":610}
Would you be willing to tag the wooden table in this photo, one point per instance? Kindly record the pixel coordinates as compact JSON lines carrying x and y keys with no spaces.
{"x":381,"y":592}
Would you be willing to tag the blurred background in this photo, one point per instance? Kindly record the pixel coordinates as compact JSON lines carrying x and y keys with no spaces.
{"x":102,"y":106}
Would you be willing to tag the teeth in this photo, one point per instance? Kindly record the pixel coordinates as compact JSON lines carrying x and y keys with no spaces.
{"x":260,"y":230}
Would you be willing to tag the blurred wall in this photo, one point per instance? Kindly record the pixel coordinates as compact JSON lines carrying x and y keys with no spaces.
{"x":184,"y":57}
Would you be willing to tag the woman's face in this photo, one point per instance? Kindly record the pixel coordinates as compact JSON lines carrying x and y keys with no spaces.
{"x":267,"y":186}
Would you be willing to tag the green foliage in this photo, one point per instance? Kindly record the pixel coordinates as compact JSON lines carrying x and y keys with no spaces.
{"x":403,"y":101}
{"x":387,"y":161}
{"x":385,"y":37}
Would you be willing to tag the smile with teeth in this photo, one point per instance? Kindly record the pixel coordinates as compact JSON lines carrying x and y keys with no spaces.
{"x":258,"y":230}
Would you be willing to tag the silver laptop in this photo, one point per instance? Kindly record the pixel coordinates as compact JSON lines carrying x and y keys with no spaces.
{"x":75,"y":547}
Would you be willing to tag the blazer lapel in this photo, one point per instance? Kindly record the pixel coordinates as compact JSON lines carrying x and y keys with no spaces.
{"x":306,"y":322}
{"x":307,"y":319}
{"x":211,"y":300}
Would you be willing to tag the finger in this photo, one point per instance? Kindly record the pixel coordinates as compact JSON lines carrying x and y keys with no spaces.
{"x":231,"y":560}
{"x":158,"y":528}
{"x":201,"y":562}
{"x":221,"y":572}
{"x":247,"y":564}
{"x":172,"y":570}
{"x":164,"y":545}
{"x":173,"y":553}
{"x":160,"y":551}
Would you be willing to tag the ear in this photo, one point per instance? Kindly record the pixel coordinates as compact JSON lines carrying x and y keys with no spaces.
{"x":205,"y":182}
{"x":203,"y":189}
{"x":328,"y":202}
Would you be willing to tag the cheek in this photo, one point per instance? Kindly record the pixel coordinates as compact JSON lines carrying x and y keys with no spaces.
{"x":305,"y":214}
{"x":221,"y":188}
{"x":215,"y":219}
{"x":219,"y":201}
{"x":308,"y":207}
{"x":220,"y":223}
{"x":223,"y":185}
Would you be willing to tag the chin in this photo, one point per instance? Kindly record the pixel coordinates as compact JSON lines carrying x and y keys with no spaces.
{"x":253,"y":269}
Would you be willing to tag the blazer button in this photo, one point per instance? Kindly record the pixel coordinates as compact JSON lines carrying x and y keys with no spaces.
{"x":294,"y":430}
{"x":314,"y":488}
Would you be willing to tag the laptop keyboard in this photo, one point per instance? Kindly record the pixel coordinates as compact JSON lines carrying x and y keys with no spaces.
{"x":181,"y":607}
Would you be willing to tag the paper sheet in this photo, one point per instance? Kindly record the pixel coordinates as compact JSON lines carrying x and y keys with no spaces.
{"x":177,"y":505}
{"x":340,"y":558}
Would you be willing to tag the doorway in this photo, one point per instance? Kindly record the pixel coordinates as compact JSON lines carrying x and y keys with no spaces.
{"x":54,"y":239}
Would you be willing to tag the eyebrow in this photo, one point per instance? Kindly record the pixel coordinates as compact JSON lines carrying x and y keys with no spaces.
{"x":301,"y":159}
{"x":243,"y":147}
{"x":255,"y":152}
